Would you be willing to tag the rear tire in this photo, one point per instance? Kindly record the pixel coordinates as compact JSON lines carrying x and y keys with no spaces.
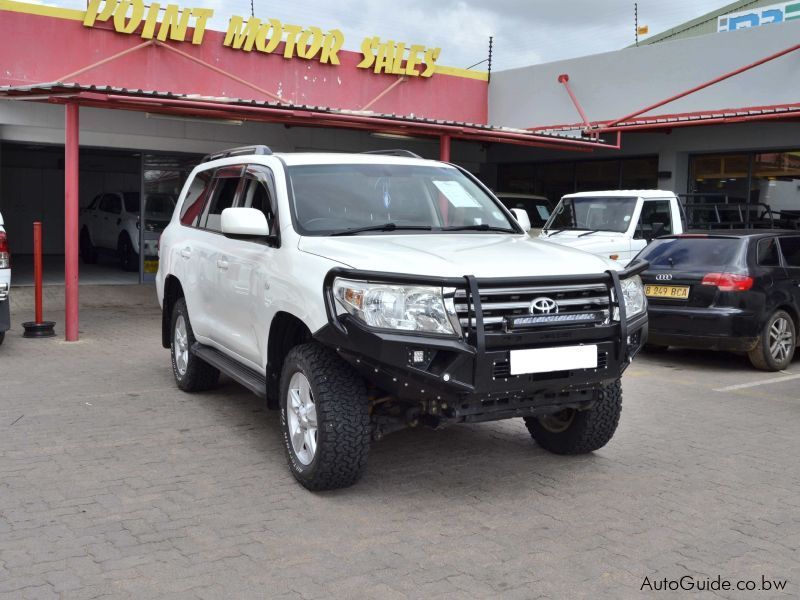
{"x":87,"y":249}
{"x":580,"y":431}
{"x":324,"y":418}
{"x":191,"y":373}
{"x":128,"y":259}
{"x":776,"y":344}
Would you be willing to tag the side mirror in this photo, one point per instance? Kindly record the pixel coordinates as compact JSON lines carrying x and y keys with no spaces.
{"x":521,"y":215}
{"x":244,"y":222}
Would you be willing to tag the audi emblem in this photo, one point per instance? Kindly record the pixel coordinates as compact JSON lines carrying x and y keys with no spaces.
{"x":543,"y":306}
{"x":664,"y":277}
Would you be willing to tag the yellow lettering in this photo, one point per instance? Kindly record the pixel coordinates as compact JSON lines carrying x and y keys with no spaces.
{"x":431,"y":55}
{"x":291,"y":39}
{"x":399,"y":53}
{"x":413,"y":59}
{"x":333,"y":42}
{"x":137,"y":10}
{"x":269,"y":36}
{"x":201,"y":17}
{"x":94,"y":13}
{"x":238,"y":36}
{"x":368,"y":50}
{"x":174,"y":23}
{"x":306,"y":50}
{"x":150,"y":22}
{"x":384,"y":61}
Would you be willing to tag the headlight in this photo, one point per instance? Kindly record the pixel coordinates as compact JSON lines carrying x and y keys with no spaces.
{"x":402,"y":307}
{"x":633,"y":295}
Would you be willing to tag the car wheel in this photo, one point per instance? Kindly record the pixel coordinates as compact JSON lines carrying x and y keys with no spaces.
{"x":324,"y":418}
{"x":87,"y":249}
{"x":192,"y":374}
{"x":128,"y":259}
{"x":775,"y":348}
{"x":572,"y":431}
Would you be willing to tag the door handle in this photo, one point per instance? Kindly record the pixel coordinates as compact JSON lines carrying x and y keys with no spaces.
{"x":222,"y":264}
{"x":186,"y":252}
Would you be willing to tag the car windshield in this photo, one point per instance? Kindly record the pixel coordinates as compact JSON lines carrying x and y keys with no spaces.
{"x":692,"y":253}
{"x":538,"y":210}
{"x":335,"y":199}
{"x":157,"y":204}
{"x":591,"y":213}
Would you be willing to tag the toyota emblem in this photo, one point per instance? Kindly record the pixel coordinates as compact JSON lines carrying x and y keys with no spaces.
{"x":543,"y":306}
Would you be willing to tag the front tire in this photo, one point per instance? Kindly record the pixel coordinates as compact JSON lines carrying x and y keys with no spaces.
{"x":775,"y":348}
{"x":191,"y":373}
{"x":87,"y":249}
{"x":573,"y":431}
{"x":324,"y":418}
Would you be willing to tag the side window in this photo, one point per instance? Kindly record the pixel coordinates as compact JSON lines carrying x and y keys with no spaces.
{"x":196,"y":198}
{"x":790,"y":247}
{"x":111,"y":203}
{"x":767,"y":252}
{"x":94,"y":202}
{"x":653,"y":213}
{"x":226,"y":183}
{"x":258,"y":194}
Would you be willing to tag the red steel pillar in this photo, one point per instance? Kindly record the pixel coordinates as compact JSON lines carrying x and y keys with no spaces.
{"x":444,"y":148}
{"x":71,"y":147}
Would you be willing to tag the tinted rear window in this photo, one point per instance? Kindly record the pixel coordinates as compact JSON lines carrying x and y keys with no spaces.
{"x":692,"y":253}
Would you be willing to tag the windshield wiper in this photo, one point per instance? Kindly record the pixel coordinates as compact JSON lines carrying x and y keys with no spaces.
{"x":557,"y":231}
{"x":479,"y":227}
{"x":383,"y":227}
{"x":591,"y":231}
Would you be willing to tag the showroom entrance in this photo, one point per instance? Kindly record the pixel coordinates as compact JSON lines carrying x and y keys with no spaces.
{"x":119,"y":225}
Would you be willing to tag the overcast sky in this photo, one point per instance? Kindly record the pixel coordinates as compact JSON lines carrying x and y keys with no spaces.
{"x":525,"y":31}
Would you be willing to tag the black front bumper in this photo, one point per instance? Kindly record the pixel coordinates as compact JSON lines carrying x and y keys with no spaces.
{"x":468,"y":378}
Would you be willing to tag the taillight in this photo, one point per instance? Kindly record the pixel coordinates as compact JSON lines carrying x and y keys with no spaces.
{"x":729,"y":282}
{"x":5,"y":257}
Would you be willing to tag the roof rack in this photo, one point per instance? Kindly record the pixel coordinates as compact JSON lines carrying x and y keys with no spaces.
{"x":259,"y":149}
{"x":395,"y":152}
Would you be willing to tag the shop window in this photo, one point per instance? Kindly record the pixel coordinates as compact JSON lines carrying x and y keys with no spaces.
{"x":597,"y":175}
{"x":775,"y":184}
{"x":639,"y":173}
{"x":768,"y":253}
{"x":717,"y":177}
{"x":790,"y":247}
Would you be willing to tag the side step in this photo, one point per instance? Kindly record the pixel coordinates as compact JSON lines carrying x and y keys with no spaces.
{"x":253,"y":381}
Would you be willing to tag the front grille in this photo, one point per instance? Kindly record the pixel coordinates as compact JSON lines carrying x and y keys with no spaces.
{"x":498,"y":304}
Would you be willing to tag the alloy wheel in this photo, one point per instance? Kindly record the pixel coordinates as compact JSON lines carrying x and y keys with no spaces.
{"x":781,"y":339}
{"x":301,"y":412}
{"x":180,"y":345}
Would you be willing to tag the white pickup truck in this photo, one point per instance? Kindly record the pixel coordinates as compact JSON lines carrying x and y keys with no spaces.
{"x":614,"y":224}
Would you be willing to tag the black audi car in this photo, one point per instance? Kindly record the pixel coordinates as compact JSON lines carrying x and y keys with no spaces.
{"x":735,"y":290}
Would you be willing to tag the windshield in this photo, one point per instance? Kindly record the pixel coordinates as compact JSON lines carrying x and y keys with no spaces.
{"x":690,"y":254}
{"x":593,"y":214}
{"x":330,"y":199}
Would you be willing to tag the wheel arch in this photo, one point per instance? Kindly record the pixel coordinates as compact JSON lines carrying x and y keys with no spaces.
{"x":173,"y":291}
{"x":792,"y":311}
{"x":285,"y":332}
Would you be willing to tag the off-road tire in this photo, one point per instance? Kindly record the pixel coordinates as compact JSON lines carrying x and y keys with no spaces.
{"x":589,"y":430}
{"x":87,"y":249}
{"x":128,"y":259}
{"x":343,"y":422}
{"x":761,"y":357}
{"x":199,"y":375}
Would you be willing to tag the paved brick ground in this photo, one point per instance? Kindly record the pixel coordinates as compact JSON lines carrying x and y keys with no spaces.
{"x":114,"y":484}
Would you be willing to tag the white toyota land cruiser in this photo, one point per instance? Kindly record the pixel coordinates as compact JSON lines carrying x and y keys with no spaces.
{"x":364,"y":293}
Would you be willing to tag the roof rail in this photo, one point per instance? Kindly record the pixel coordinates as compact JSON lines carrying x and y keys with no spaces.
{"x":259,"y":149}
{"x":395,"y":152}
